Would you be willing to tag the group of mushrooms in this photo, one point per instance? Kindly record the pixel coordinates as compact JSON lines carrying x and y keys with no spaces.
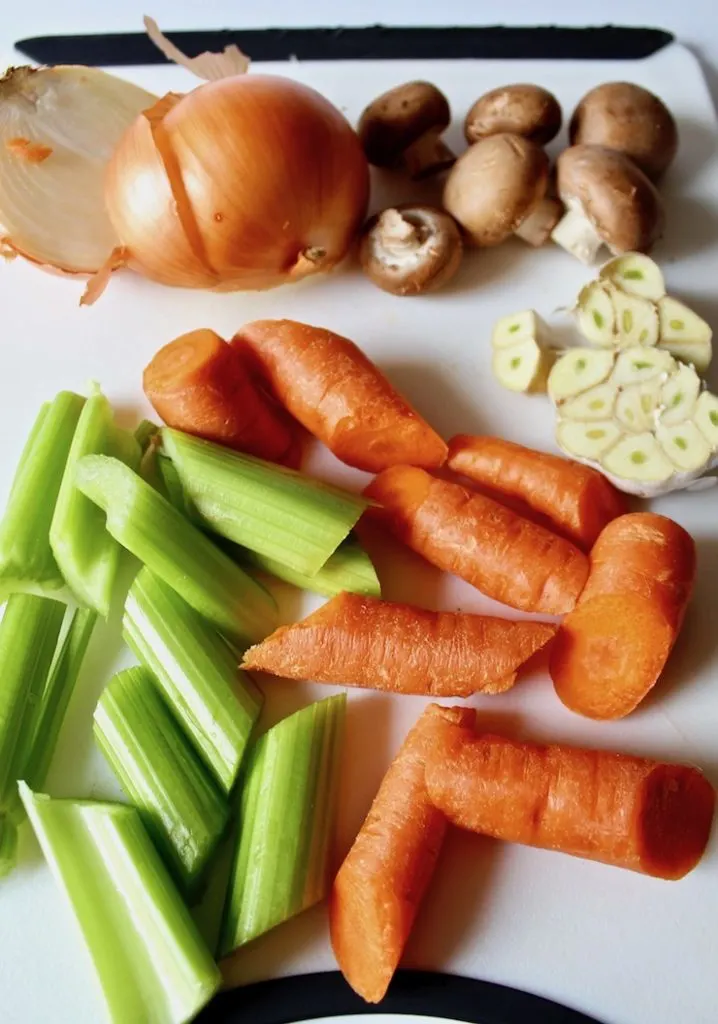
{"x":601,"y":192}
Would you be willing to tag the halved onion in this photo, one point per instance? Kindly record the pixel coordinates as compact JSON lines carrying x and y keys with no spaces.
{"x":53,"y":211}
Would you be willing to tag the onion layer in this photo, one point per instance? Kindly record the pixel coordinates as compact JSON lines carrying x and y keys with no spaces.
{"x":244,"y":183}
{"x":52,"y":209}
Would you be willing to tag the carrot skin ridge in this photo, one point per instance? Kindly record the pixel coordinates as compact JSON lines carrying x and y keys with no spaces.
{"x":354,"y":640}
{"x":630,"y":812}
{"x":504,"y":555}
{"x":378,"y":890}
{"x":611,"y":650}
{"x":335,"y":391}
{"x":578,"y":500}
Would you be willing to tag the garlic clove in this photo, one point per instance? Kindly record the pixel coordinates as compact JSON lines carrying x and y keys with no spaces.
{"x":635,"y":274}
{"x":577,"y":370}
{"x":596,"y":314}
{"x":679,"y":395}
{"x":637,"y":405}
{"x":637,"y":364}
{"x":638,"y":458}
{"x":706,"y":418}
{"x":587,"y":440}
{"x":684,"y":445}
{"x":522,"y":367}
{"x":53,"y":212}
{"x":595,"y":404}
{"x":516,"y":327}
{"x":636,"y":319}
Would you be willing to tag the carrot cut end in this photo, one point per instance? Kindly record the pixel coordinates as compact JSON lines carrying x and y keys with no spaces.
{"x":675,"y":822}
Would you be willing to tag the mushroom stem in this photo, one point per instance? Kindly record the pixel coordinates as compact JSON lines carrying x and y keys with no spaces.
{"x":396,"y":234}
{"x":427,"y":156}
{"x":575,"y":233}
{"x":537,"y":227}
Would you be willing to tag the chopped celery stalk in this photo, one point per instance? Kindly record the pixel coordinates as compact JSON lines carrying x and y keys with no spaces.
{"x":56,"y":696}
{"x":150,"y":960}
{"x":8,"y":845}
{"x":144,"y":434}
{"x":147,"y":525}
{"x":26,"y":559}
{"x":348,"y":569}
{"x":85,"y":552}
{"x":287,"y":813}
{"x":179,"y":803}
{"x":269,"y":509}
{"x":213,"y":700}
{"x":28,"y":638}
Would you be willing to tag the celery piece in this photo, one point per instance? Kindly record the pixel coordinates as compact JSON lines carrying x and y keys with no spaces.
{"x":26,"y":559}
{"x":179,"y":803}
{"x":56,"y":696}
{"x":145,"y":434}
{"x":214,"y":701}
{"x":147,"y":525}
{"x":348,"y":569}
{"x":85,"y":552}
{"x":269,"y":509}
{"x":28,"y":638}
{"x":287,"y":813}
{"x":150,"y":960}
{"x":8,"y":845}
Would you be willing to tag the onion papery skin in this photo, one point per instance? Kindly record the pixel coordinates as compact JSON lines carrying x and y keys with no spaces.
{"x":244,"y":183}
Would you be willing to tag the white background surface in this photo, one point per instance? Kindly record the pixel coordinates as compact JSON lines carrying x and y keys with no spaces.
{"x":628,"y":949}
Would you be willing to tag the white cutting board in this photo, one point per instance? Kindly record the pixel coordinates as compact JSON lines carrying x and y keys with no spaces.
{"x":628,"y":949}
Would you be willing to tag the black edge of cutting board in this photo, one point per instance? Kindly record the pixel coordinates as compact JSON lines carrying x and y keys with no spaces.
{"x":376,"y":42}
{"x":314,"y":996}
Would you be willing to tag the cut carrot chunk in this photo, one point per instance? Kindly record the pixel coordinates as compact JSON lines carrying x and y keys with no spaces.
{"x":339,"y":395}
{"x":362,"y":641}
{"x":578,"y":500}
{"x":379,"y":888}
{"x":627,"y":811}
{"x":611,"y":650}
{"x":199,"y":384}
{"x":506,"y":556}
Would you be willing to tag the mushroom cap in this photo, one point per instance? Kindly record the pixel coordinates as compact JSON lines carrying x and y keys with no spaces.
{"x":421,"y":268}
{"x":615,"y":195}
{"x":495,"y":185}
{"x":629,"y":118}
{"x":523,"y":109}
{"x":397,"y":118}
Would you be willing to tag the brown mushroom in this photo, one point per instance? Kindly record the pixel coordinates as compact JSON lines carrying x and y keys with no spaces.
{"x":410,"y":249}
{"x":630,"y":119}
{"x":608,"y":201}
{"x":402,"y":128}
{"x":526,"y":110}
{"x":498,"y":188}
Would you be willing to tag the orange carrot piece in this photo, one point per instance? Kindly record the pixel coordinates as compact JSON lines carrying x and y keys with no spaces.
{"x":340,"y":396}
{"x":578,"y":500}
{"x":199,"y":384}
{"x":379,"y":888}
{"x":611,"y":650}
{"x":501,"y":553}
{"x":361,"y":641}
{"x":630,"y":812}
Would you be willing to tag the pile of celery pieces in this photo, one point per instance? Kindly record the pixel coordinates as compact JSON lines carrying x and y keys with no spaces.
{"x":214,"y":809}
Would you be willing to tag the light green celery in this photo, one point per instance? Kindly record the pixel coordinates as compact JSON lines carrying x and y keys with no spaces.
{"x":8,"y":845}
{"x":85,"y":552}
{"x":56,"y":696}
{"x":156,"y":765}
{"x":215,"y":703}
{"x":27,"y":563}
{"x":348,"y":569}
{"x":144,"y":434}
{"x":147,"y":525}
{"x":28,"y":638}
{"x":269,"y":509}
{"x":150,"y":960}
{"x":287,"y":815}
